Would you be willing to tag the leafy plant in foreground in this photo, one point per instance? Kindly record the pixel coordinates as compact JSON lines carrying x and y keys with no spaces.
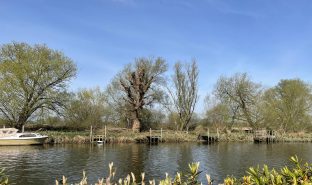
{"x":300,"y":174}
{"x":3,"y":178}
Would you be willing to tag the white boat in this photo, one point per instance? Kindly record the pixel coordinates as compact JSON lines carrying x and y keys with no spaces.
{"x":10,"y":136}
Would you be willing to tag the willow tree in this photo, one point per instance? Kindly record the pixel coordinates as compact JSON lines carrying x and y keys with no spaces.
{"x":184,"y":92}
{"x":137,"y":87}
{"x":288,"y":105}
{"x":87,"y":107}
{"x":242,"y":96}
{"x":33,"y":79}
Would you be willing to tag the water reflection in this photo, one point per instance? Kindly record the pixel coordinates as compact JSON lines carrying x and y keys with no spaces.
{"x":39,"y":165}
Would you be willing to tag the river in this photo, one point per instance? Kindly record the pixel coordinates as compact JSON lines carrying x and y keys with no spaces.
{"x":40,"y":165}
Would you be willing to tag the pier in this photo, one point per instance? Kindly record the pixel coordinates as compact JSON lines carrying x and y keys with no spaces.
{"x":98,"y":138}
{"x":264,"y":135}
{"x":209,"y":137}
{"x":155,"y":136}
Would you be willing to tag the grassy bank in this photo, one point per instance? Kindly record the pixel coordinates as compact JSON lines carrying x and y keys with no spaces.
{"x":170,"y":136}
{"x":117,"y":136}
{"x":294,"y":137}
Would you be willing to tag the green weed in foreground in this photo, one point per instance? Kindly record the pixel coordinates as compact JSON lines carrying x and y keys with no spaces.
{"x":3,"y":178}
{"x":299,"y":174}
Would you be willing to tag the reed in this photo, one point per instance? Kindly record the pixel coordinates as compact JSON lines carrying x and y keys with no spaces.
{"x":298,"y":174}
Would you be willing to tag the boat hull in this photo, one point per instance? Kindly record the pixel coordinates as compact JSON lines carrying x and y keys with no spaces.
{"x":26,"y":141}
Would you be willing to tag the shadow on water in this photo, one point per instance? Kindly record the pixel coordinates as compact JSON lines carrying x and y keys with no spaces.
{"x":39,"y":165}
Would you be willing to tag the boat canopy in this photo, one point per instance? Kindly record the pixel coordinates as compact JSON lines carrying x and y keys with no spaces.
{"x":4,"y":132}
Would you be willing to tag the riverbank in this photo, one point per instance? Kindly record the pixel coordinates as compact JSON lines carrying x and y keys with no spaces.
{"x":169,"y":136}
{"x":117,"y":136}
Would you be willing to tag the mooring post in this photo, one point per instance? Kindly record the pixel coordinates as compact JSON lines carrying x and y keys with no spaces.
{"x":91,"y":134}
{"x":161,"y":134}
{"x":105,"y":131}
{"x":23,"y":128}
{"x":150,"y":135}
{"x":208,"y":134}
{"x":218,"y":133}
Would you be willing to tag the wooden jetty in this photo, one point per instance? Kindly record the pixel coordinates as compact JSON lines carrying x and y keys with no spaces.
{"x":100,"y":139}
{"x":209,"y":137}
{"x":264,"y":135}
{"x":155,"y":138}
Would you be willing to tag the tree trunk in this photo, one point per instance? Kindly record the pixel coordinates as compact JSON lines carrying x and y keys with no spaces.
{"x":136,"y":124}
{"x":19,"y":126}
{"x":21,"y":122}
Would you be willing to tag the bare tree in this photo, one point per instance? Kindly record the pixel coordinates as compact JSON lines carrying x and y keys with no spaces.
{"x":242,"y":96}
{"x":184,"y":93}
{"x":32,"y":79}
{"x":136,"y":87}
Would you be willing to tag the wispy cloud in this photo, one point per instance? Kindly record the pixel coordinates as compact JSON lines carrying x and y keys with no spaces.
{"x":123,"y":2}
{"x":227,"y":8}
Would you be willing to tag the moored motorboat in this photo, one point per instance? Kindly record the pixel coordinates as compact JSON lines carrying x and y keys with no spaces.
{"x":10,"y":136}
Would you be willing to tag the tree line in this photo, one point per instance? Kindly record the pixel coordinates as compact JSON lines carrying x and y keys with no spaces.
{"x":34,"y":81}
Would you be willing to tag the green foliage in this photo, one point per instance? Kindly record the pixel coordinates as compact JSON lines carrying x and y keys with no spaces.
{"x":88,"y":107}
{"x":287,"y":106}
{"x":298,"y":175}
{"x":192,"y":175}
{"x":3,"y":178}
{"x":33,"y":79}
{"x":218,"y":116}
{"x":151,"y":119}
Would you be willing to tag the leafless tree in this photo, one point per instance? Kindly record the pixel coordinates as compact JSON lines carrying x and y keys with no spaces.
{"x":242,"y":96}
{"x":183,"y":94}
{"x":137,"y":86}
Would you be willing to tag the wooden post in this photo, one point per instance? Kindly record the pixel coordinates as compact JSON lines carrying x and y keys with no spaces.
{"x":161,"y":134}
{"x":91,"y":134}
{"x":218,"y":133}
{"x":208,"y":134}
{"x":150,"y":135}
{"x":105,"y":131}
{"x":23,"y":128}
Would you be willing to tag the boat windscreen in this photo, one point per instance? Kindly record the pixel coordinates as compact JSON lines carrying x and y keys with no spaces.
{"x":28,"y":135}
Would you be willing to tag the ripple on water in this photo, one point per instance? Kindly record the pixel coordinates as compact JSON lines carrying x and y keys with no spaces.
{"x":39,"y":165}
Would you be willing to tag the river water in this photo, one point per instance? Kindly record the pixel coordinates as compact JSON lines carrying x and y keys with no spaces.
{"x":40,"y":165}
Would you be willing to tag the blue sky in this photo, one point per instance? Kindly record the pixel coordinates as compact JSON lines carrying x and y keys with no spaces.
{"x":271,"y":40}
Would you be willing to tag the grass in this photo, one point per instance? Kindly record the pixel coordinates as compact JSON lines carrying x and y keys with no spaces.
{"x":127,"y":136}
{"x":298,"y":174}
{"x":116,"y":136}
{"x":58,"y":137}
{"x":294,"y":137}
